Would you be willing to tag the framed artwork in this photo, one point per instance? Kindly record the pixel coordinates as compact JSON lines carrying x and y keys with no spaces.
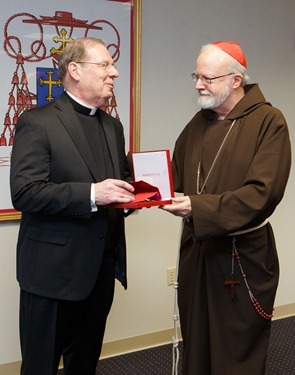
{"x":33,"y":35}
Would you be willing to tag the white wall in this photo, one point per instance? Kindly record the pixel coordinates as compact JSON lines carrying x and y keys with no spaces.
{"x":172,"y":33}
{"x":9,"y":292}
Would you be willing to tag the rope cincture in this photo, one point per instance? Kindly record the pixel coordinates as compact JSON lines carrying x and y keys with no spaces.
{"x":175,"y":338}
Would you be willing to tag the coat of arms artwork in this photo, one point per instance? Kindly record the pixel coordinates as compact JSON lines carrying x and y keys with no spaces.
{"x":34,"y":36}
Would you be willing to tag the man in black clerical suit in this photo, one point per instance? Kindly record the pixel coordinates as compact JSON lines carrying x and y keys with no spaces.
{"x":68,"y":163}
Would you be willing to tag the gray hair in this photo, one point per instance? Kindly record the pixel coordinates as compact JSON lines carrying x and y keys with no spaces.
{"x":75,"y":51}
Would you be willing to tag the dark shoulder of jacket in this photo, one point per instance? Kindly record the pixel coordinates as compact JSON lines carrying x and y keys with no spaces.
{"x":47,"y":108}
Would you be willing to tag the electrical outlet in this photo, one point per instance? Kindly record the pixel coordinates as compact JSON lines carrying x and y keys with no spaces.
{"x":171,"y":275}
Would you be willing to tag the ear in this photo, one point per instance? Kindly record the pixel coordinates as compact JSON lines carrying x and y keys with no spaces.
{"x":74,"y":70}
{"x":237,"y":81}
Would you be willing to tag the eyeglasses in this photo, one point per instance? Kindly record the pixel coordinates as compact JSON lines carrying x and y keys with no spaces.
{"x":104,"y":65}
{"x":196,"y":77}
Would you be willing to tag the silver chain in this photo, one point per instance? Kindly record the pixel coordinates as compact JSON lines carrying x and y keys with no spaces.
{"x":213,"y":164}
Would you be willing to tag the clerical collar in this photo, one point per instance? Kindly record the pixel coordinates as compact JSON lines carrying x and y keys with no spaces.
{"x":80,"y":107}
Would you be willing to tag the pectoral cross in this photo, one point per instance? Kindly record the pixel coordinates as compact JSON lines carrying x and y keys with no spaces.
{"x":232,"y":283}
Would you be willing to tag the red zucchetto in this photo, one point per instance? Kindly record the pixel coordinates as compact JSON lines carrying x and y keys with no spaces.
{"x":234,"y":50}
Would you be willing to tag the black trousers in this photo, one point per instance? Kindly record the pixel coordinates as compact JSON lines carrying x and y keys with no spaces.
{"x":52,"y":328}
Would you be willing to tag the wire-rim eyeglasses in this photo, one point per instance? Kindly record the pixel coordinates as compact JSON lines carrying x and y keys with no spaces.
{"x":104,"y":65}
{"x":196,"y":77}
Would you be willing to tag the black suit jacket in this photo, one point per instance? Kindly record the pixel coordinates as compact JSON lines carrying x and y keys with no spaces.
{"x":61,"y":242}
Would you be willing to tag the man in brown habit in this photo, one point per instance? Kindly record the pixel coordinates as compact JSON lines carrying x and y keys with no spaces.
{"x":231,"y":162}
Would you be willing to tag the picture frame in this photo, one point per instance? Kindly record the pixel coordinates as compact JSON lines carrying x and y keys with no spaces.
{"x":116,"y":22}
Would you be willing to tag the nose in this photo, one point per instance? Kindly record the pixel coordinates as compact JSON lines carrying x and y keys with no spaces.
{"x":113,"y":72}
{"x":199,"y":83}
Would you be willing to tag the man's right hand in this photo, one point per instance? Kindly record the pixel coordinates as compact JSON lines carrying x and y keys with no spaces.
{"x":113,"y":191}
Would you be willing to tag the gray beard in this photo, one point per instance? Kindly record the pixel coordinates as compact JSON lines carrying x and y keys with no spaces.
{"x":212,"y":102}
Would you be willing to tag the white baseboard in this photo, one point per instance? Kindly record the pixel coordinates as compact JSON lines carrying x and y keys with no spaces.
{"x":136,"y":343}
{"x":284,"y":311}
{"x":149,"y":340}
{"x":12,"y":368}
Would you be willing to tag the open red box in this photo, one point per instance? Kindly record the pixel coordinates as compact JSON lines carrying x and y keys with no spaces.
{"x":153,"y":181}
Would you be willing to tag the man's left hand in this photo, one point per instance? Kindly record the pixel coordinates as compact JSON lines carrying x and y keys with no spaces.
{"x":181,"y":206}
